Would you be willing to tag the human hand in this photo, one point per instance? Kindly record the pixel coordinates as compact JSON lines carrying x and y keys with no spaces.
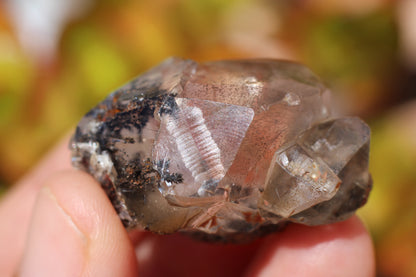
{"x":58,"y":222}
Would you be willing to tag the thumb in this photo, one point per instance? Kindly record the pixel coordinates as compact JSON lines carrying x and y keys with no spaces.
{"x":75,"y":232}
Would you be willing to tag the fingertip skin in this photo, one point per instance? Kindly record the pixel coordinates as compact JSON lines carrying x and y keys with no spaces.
{"x":82,"y":233}
{"x":340,"y":249}
{"x":55,"y":246}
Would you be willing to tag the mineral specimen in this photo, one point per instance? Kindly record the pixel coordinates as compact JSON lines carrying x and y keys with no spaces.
{"x":226,"y":149}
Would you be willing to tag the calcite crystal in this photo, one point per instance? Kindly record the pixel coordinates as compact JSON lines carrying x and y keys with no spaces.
{"x":225,"y":149}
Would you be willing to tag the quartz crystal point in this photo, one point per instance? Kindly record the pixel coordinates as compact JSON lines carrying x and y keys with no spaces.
{"x":226,"y":149}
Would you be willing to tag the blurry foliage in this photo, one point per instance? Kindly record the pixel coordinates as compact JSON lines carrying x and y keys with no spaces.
{"x":391,"y":210}
{"x":355,"y":53}
{"x":352,"y":53}
{"x":394,"y":184}
{"x":361,"y":45}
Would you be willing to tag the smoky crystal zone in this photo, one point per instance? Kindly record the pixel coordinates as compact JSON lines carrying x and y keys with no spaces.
{"x":225,"y":150}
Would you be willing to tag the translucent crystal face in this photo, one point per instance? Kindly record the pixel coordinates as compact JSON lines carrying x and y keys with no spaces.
{"x":225,"y":148}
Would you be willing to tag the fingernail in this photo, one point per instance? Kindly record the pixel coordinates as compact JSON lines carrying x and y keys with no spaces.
{"x":55,"y":245}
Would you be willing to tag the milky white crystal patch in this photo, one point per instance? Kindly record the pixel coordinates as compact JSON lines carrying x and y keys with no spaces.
{"x":200,"y":139}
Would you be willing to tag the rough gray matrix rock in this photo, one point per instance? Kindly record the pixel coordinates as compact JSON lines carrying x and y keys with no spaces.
{"x":225,"y":149}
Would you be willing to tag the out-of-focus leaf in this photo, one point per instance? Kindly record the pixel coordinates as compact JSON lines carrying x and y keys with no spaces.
{"x":340,"y":47}
{"x":15,"y":79}
{"x":99,"y":63}
{"x":391,"y":211}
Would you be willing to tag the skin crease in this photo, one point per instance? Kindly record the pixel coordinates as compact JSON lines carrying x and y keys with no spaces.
{"x":57,"y":221}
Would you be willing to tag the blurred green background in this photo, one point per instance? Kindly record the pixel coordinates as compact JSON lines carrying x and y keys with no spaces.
{"x":59,"y":58}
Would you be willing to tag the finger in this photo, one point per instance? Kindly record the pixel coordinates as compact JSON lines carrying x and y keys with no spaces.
{"x":181,"y":255}
{"x":76,"y":232}
{"x":340,"y":249}
{"x":16,"y":207}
